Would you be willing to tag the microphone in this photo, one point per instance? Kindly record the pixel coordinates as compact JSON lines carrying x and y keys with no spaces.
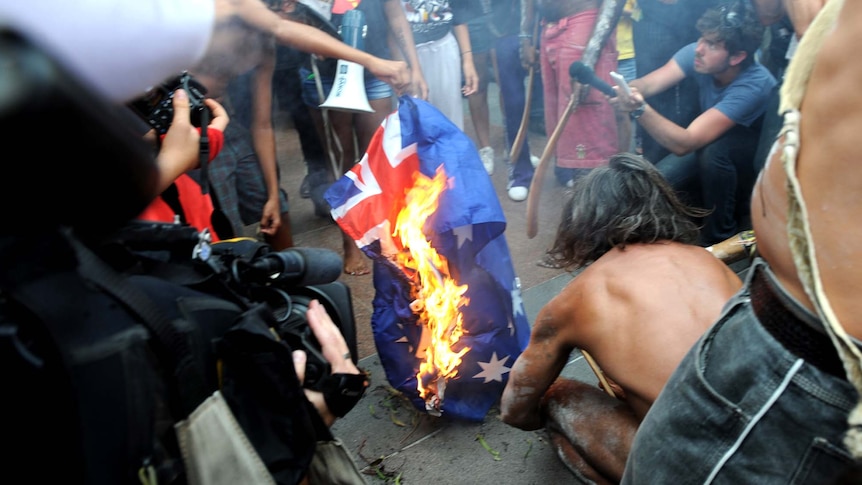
{"x":295,"y":267}
{"x":584,"y":74}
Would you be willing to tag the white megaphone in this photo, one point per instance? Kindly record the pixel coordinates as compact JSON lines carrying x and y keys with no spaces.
{"x":348,"y":88}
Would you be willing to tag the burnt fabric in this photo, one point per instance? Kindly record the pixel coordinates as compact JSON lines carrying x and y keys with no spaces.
{"x":467,"y":229}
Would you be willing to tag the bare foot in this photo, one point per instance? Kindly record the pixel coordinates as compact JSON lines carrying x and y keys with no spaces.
{"x":355,"y":261}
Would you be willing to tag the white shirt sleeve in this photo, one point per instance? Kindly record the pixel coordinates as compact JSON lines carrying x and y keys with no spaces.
{"x":121,"y":48}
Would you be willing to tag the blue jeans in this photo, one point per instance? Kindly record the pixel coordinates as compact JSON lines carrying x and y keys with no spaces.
{"x":513,"y":95}
{"x":720,"y":177}
{"x":628,"y":68}
{"x":741,"y":408}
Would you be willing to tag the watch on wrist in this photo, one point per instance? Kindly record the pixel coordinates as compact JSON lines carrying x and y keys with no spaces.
{"x":637,"y":113}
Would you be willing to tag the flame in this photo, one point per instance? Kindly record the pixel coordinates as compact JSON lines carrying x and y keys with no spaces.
{"x":437,"y":297}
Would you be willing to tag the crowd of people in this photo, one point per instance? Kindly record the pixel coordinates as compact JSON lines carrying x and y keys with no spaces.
{"x":758,"y":379}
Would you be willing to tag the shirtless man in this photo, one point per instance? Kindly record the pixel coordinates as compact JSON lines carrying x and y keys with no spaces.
{"x":646,"y":296}
{"x":764,"y":396}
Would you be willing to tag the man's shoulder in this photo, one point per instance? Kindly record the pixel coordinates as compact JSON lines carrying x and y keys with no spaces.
{"x":758,"y":73}
{"x":633,"y":263}
{"x":753,"y":85}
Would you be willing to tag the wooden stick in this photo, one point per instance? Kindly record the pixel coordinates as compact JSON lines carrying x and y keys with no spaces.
{"x":547,"y":155}
{"x":528,"y":99}
{"x":605,"y":24}
{"x":735,"y":248}
{"x":525,"y":119}
{"x":598,"y":371}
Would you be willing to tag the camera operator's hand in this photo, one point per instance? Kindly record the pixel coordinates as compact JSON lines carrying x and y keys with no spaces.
{"x":180,"y":148}
{"x":335,"y":350}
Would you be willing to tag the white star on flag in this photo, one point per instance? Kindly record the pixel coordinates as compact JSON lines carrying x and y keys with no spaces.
{"x":493,"y":370}
{"x":463,"y":234}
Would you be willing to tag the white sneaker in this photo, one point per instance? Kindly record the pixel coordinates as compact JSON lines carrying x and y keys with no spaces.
{"x":487,"y":156}
{"x":535,"y":160}
{"x":518,"y":194}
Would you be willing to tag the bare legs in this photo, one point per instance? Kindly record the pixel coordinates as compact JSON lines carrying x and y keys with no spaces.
{"x":354,"y":133}
{"x":591,"y":431}
{"x":283,"y":237}
{"x":478,"y":101}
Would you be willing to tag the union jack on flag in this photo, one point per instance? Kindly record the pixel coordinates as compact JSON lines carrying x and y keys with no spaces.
{"x":467,"y":229}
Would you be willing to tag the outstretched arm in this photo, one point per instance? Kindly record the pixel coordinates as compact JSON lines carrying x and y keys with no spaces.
{"x":680,"y":140}
{"x":534,"y":371}
{"x":309,"y":39}
{"x":403,"y":46}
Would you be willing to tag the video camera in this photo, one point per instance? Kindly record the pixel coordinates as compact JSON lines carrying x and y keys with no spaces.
{"x":246,"y":271}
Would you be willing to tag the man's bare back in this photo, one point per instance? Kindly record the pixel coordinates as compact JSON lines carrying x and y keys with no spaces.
{"x":637,"y":311}
{"x":645,"y":296}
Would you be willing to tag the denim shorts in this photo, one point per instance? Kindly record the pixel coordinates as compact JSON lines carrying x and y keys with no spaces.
{"x":374,"y":88}
{"x":741,"y":408}
{"x":480,"y":34}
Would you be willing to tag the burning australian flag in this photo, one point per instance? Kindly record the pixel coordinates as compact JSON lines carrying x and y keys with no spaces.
{"x":414,"y":146}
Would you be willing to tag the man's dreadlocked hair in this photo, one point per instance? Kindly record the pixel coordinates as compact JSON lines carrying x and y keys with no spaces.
{"x":627,"y":201}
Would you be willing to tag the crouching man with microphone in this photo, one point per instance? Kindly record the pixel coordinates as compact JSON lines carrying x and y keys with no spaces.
{"x":711,"y":159}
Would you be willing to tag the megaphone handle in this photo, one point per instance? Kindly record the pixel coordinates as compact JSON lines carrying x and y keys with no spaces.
{"x":352,"y":26}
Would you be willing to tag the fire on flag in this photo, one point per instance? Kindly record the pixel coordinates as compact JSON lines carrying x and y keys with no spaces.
{"x":448,"y":319}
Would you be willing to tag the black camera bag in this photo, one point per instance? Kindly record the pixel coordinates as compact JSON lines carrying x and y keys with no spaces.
{"x":100,"y":365}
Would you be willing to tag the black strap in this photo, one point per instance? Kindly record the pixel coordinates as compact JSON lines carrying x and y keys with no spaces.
{"x":189,"y":378}
{"x":205,"y":150}
{"x":220,"y":223}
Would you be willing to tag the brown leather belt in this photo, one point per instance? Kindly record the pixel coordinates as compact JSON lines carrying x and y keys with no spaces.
{"x":795,"y":334}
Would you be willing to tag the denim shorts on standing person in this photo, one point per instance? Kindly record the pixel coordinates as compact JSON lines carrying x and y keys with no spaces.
{"x":781,"y":417}
{"x":374,"y":88}
{"x":481,"y":41}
